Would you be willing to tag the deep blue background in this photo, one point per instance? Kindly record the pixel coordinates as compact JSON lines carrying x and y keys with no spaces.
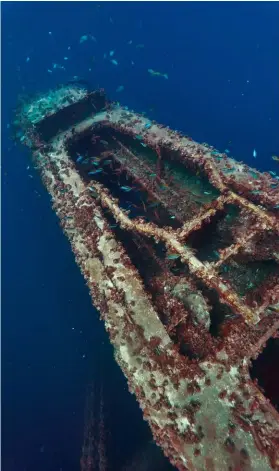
{"x":222,"y":61}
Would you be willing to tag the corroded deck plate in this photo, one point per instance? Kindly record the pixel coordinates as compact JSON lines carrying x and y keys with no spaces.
{"x":179,"y":246}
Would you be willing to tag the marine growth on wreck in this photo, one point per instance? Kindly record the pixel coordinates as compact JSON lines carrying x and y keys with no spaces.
{"x":179,"y":247}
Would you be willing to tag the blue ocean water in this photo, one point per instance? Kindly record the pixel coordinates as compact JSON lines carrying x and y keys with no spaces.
{"x":221,"y":60}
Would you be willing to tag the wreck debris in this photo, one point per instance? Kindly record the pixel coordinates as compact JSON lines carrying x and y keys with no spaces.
{"x":183,"y":268}
{"x":94,"y":454}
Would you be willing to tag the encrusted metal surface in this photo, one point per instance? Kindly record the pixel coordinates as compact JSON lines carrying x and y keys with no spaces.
{"x":166,"y":232}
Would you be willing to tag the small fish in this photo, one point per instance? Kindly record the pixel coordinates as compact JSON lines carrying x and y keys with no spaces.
{"x":114,"y":62}
{"x":157,"y":74}
{"x":113,"y":226}
{"x":126,"y":188}
{"x":207,"y":192}
{"x":111,"y":53}
{"x":130,"y":42}
{"x":227,"y":151}
{"x":272,"y":173}
{"x":120,"y":88}
{"x":93,"y":172}
{"x":153,"y":175}
{"x":105,"y":143}
{"x":231,"y":316}
{"x":276,"y":206}
{"x":79,"y":159}
{"x":92,"y":189}
{"x":147,"y":125}
{"x":274,"y":157}
{"x":58,"y":66}
{"x":27,"y":59}
{"x":254,"y":153}
{"x":253,"y":174}
{"x":140,"y":46}
{"x":274,"y":308}
{"x":143,"y":145}
{"x":83,"y":38}
{"x":139,"y":137}
{"x":173,"y":256}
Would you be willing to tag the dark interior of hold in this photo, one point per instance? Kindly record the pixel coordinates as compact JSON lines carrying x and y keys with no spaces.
{"x":219,"y":314}
{"x":245,"y":277}
{"x":192,"y":178}
{"x":99,"y":157}
{"x":209,"y":239}
{"x":130,"y":193}
{"x":265,"y":370}
{"x":186,"y":188}
{"x":69,"y":116}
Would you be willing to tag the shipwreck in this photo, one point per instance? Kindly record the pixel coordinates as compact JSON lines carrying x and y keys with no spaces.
{"x":179,"y":247}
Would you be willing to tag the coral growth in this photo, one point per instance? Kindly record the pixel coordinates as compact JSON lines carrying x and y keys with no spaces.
{"x":167,"y":232}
